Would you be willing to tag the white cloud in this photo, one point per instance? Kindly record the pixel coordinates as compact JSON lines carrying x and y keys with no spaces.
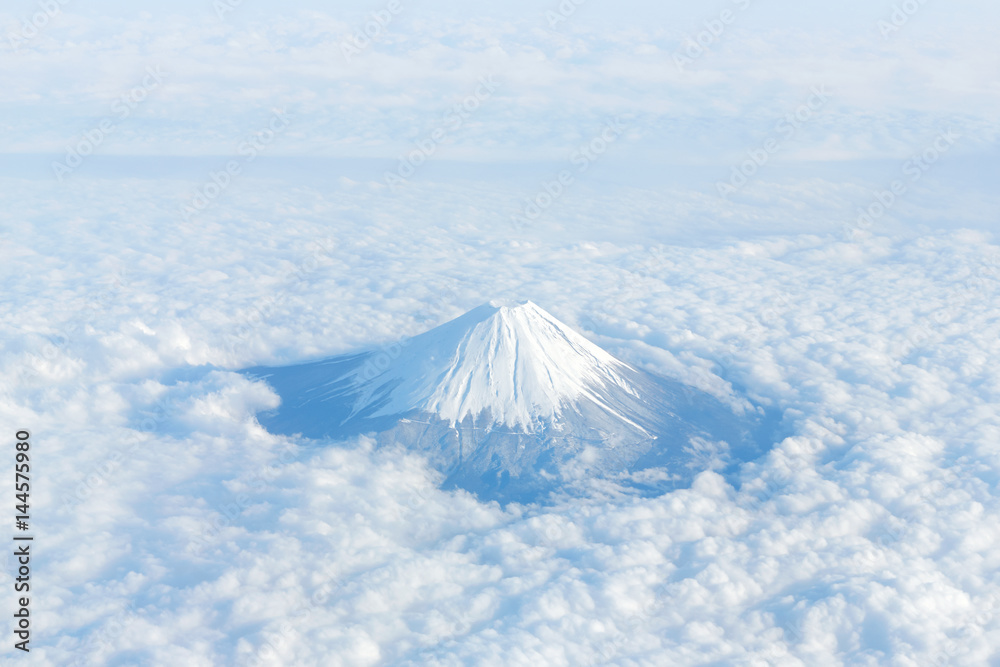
{"x":556,"y":85}
{"x":208,"y":538}
{"x":174,"y":530}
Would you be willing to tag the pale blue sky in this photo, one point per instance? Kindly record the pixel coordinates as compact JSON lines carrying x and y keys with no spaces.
{"x":822,"y":16}
{"x":888,"y":97}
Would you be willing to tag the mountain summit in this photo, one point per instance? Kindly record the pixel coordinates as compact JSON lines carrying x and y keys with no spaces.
{"x":514,"y":366}
{"x":510,"y":403}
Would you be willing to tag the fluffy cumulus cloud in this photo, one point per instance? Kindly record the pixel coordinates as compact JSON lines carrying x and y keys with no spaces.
{"x":855,"y":299}
{"x":180,"y":532}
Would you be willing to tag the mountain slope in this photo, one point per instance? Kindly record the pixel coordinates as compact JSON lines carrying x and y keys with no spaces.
{"x":510,"y":403}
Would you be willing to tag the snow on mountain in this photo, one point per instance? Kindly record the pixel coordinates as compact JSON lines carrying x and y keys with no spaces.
{"x":514,"y":364}
{"x":510,"y":403}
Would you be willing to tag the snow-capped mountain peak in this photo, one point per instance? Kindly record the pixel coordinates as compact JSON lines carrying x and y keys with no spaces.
{"x":509,"y":402}
{"x":500,"y":364}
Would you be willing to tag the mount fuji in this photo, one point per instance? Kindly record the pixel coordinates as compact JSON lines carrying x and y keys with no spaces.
{"x":510,"y":403}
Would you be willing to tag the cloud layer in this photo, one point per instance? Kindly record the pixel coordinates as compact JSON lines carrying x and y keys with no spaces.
{"x":179,"y":532}
{"x":195,"y":233}
{"x":556,"y":84}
